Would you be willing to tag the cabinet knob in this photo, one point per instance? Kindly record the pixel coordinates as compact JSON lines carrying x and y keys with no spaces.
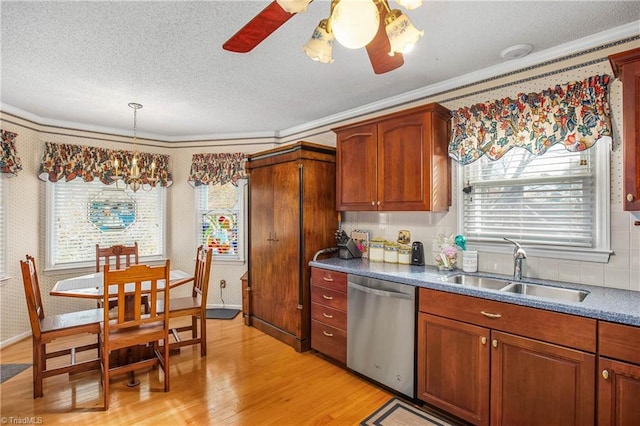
{"x":327,"y":315}
{"x":327,"y":333}
{"x":327,"y":297}
{"x":494,"y":343}
{"x":325,"y":278}
{"x":378,"y":202}
{"x":605,"y":374}
{"x":630,"y":197}
{"x":373,"y":203}
{"x":483,"y":340}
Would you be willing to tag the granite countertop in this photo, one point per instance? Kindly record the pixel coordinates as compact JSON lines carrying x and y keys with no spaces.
{"x":609,"y":304}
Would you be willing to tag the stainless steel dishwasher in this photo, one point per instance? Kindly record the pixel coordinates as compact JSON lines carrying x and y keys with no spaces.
{"x":381,"y":331}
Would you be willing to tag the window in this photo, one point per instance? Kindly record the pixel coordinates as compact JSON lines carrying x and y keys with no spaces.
{"x":221,"y":219}
{"x":555,"y":204}
{"x":3,"y":229}
{"x":82,"y":214}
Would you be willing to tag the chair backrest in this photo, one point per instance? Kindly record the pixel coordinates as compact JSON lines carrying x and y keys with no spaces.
{"x":201,"y":274}
{"x":118,"y":256}
{"x":32,"y":293}
{"x":132,"y":284}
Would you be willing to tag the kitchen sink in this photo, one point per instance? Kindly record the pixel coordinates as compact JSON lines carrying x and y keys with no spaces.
{"x":547,"y":292}
{"x":528,"y":289}
{"x":481,"y":282}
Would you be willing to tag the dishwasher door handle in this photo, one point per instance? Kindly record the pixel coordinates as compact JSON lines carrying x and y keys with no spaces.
{"x":383,"y":293}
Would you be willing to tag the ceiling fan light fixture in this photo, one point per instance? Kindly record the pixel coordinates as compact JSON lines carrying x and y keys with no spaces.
{"x":401,"y":32}
{"x":320,"y":45}
{"x":294,"y":6}
{"x":410,"y":4}
{"x":354,"y":23}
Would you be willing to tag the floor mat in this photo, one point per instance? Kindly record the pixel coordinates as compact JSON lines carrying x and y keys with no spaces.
{"x":398,"y":413}
{"x":7,"y":371}
{"x":222,"y":313}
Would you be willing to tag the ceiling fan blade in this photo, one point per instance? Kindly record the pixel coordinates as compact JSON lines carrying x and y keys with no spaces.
{"x":259,"y":28}
{"x":378,"y":49}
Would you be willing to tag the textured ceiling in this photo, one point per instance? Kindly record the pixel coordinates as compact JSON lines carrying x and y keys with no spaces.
{"x":79,"y":64}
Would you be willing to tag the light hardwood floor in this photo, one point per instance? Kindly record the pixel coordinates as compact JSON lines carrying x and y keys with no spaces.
{"x":247,"y":378}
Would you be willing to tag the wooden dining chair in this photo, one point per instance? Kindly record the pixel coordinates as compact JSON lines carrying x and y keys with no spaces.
{"x":194,"y":306}
{"x":46,"y":329}
{"x":131,"y":327}
{"x":118,"y":256}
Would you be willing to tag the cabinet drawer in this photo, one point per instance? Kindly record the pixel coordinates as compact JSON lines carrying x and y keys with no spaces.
{"x":329,"y":341}
{"x":619,"y":341}
{"x":554,"y":327}
{"x":329,"y":316}
{"x":328,"y":297}
{"x":329,"y":279}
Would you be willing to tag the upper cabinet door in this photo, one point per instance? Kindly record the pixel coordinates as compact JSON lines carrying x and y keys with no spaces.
{"x":356,"y":179}
{"x":404,"y":163}
{"x":626,"y":67}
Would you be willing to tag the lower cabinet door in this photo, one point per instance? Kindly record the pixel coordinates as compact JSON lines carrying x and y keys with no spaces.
{"x":618,"y":393}
{"x":453,"y":367}
{"x":537,"y":383}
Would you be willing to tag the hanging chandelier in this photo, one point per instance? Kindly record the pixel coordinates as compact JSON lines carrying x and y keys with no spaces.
{"x":355,"y":23}
{"x":133,"y":177}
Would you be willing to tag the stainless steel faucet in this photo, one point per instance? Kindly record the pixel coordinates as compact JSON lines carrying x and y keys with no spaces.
{"x":518,"y":255}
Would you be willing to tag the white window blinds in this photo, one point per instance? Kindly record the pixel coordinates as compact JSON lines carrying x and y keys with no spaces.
{"x":83,"y":214}
{"x":540,"y":201}
{"x":221,"y":219}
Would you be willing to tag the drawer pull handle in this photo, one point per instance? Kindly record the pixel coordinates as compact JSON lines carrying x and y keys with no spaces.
{"x":483,"y":340}
{"x":325,"y":278}
{"x":327,"y":315}
{"x":327,"y":297}
{"x":490,"y":315}
{"x":605,"y":374}
{"x":327,"y":334}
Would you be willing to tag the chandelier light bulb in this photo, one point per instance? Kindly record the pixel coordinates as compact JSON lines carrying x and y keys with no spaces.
{"x":319,"y":47}
{"x":401,"y":32}
{"x":410,"y":4}
{"x":354,"y":23}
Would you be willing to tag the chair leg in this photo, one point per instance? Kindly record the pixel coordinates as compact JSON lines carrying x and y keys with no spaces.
{"x":37,"y":369}
{"x":203,"y":335}
{"x":165,"y":364}
{"x":105,"y":378}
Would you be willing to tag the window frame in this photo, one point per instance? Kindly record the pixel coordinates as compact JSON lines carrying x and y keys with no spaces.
{"x":242,"y":197}
{"x":87,"y":266}
{"x":600,"y":253}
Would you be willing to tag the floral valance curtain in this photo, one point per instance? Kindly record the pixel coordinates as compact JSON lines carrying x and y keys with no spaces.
{"x":212,"y":169}
{"x":575,"y":114}
{"x":9,"y":161}
{"x":67,"y":162}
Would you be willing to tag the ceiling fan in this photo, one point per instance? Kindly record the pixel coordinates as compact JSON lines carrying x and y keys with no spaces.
{"x":386,"y":33}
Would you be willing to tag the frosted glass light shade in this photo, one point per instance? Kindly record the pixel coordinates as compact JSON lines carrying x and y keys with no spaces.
{"x":354,"y":23}
{"x":409,"y":4}
{"x":401,"y":32}
{"x":320,"y":45}
{"x":294,"y":6}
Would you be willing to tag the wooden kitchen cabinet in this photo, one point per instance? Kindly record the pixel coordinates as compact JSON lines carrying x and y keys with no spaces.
{"x":329,"y":313}
{"x":618,"y":374}
{"x":490,"y":362}
{"x":626,"y":67}
{"x":398,"y":162}
{"x":291,"y":217}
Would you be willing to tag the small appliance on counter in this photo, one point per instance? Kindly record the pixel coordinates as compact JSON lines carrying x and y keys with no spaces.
{"x":417,"y":253}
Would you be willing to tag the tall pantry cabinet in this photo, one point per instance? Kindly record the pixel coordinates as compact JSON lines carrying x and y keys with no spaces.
{"x":291,"y":216}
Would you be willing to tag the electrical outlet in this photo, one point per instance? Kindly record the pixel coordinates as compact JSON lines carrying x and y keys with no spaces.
{"x":223,"y":284}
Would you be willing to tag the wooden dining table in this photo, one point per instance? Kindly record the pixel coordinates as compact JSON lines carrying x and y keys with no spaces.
{"x":91,"y":286}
